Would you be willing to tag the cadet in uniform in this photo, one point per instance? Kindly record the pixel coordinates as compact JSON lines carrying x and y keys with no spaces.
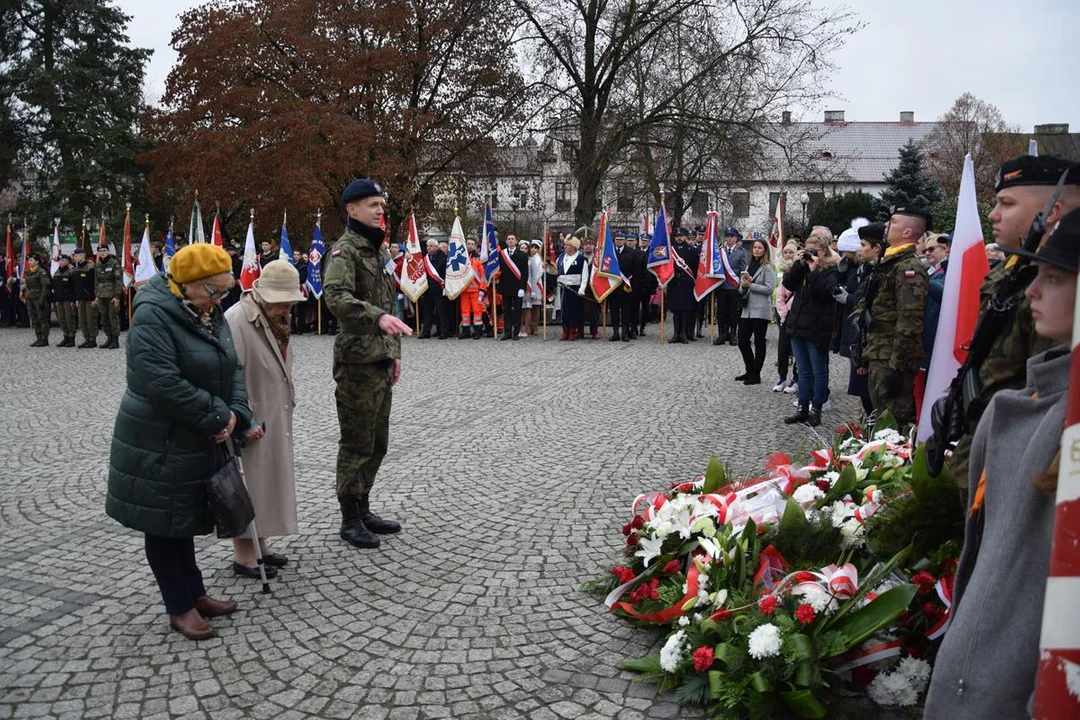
{"x":1024,"y":186}
{"x":680,"y":290}
{"x":894,"y":341}
{"x":35,"y":293}
{"x":367,"y":358}
{"x":108,"y":285}
{"x":84,"y":288}
{"x":64,"y":300}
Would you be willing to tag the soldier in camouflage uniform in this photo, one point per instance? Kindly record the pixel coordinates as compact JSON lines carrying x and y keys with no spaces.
{"x":64,"y":300}
{"x":109,"y":278}
{"x":894,"y":341}
{"x":85,"y":286}
{"x":35,"y":293}
{"x":1024,"y":186}
{"x":359,"y":290}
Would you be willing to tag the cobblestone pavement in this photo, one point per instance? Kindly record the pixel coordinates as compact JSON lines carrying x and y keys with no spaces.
{"x":512,"y":466}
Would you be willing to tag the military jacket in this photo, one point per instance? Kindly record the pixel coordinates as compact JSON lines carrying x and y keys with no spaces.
{"x":895,"y":336}
{"x":64,"y":285}
{"x":109,"y":277}
{"x":36,"y":284}
{"x":359,"y":289}
{"x":85,"y":284}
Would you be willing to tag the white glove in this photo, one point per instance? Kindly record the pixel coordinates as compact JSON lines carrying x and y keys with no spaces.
{"x":521,"y":293}
{"x":840,"y":295}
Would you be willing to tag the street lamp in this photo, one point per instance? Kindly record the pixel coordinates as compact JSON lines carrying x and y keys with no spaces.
{"x":804,"y":199}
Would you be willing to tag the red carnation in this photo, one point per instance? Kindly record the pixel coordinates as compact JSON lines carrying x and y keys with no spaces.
{"x":803,"y":576}
{"x":767,"y":605}
{"x":672,"y":567}
{"x":623,"y":573}
{"x":631,"y":541}
{"x":805,"y":614}
{"x":823,"y":485}
{"x":703,"y":658}
{"x":653,"y":589}
{"x":925,"y":581}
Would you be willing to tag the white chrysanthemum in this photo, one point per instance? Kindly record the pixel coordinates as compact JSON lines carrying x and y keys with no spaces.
{"x":831,"y":477}
{"x":817,"y":597}
{"x":890,"y":436}
{"x":893,"y":689}
{"x":806,"y":494}
{"x":916,"y":670}
{"x":672,"y":652}
{"x":683,"y":621}
{"x":840,"y":512}
{"x":852,"y":534}
{"x":764,"y":641}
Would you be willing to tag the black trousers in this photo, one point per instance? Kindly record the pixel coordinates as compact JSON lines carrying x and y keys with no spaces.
{"x":727,"y":312}
{"x":172,"y":560}
{"x":511,"y":307}
{"x":622,"y":311}
{"x":783,"y":356}
{"x":642,"y":310}
{"x":753,"y":359}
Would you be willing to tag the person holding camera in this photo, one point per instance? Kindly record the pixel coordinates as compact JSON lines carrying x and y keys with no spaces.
{"x":813,"y":281}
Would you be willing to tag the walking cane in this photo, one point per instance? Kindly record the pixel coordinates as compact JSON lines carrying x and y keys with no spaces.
{"x":252,"y":530}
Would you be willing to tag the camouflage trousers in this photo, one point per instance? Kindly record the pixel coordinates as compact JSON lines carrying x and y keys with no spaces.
{"x":110,"y":317}
{"x":40,"y":316}
{"x":66,"y":316}
{"x":902,"y":405}
{"x":363,"y":397}
{"x":88,"y":317}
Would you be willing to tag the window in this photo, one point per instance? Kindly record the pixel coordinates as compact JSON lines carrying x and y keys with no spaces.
{"x":740,"y":204}
{"x":494,"y":199}
{"x":520,"y":197}
{"x":699,"y":204}
{"x":562,"y":196}
{"x":774,"y":200}
{"x":816,"y":198}
{"x":625,"y":202}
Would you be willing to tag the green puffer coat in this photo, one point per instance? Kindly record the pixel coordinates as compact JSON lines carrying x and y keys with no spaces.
{"x":182,"y":381}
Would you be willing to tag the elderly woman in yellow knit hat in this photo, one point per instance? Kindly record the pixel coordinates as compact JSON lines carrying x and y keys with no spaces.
{"x":185,"y":395}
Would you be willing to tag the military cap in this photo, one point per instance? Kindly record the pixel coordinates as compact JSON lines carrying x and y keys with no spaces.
{"x":360,"y":189}
{"x":682,"y":232}
{"x":619,"y":235}
{"x":79,"y":251}
{"x":62,"y":256}
{"x":733,"y":232}
{"x":1061,"y":248}
{"x":103,"y":246}
{"x":633,"y":236}
{"x":1032,"y":170}
{"x":699,"y":230}
{"x":915,"y":210}
{"x":873,"y":233}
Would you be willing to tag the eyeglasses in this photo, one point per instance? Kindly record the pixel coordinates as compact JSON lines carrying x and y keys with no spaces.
{"x":215,"y":294}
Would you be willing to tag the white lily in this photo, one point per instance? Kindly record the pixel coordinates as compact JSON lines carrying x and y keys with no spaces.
{"x":649,"y":549}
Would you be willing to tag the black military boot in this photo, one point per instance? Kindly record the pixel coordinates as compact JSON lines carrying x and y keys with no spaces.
{"x":801,"y":416}
{"x":463,"y":334}
{"x":614,"y":337}
{"x":814,"y":417}
{"x":88,"y":343}
{"x":353,"y":530}
{"x":114,"y":342}
{"x":373,"y":522}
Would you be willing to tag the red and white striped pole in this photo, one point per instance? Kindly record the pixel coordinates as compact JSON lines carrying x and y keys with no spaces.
{"x":1057,"y":684}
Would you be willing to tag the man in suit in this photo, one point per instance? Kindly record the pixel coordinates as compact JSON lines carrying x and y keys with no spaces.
{"x":430,"y":301}
{"x":727,"y":293}
{"x":513,"y":275}
{"x":645,"y":284}
{"x":680,"y":290}
{"x":620,"y":302}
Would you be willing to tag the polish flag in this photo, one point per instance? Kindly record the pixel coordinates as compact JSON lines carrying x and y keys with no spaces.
{"x":251,"y":270}
{"x":128,"y":259}
{"x":960,"y":301}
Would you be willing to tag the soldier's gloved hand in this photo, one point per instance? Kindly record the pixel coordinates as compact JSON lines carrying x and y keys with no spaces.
{"x":521,"y":293}
{"x":840,"y":295}
{"x":894,"y":384}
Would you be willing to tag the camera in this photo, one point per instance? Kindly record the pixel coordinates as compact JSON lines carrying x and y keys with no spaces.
{"x":809,"y":253}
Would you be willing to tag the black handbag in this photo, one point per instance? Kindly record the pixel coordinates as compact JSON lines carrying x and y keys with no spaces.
{"x":230,"y":503}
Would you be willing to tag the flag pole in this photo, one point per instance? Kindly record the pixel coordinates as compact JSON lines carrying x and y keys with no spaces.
{"x":543,"y":281}
{"x":663,"y":291}
{"x":494,"y":295}
{"x":712,"y":318}
{"x":318,"y":300}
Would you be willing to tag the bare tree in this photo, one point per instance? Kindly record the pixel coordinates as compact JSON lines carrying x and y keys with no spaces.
{"x":627,"y":73}
{"x":970,"y":126}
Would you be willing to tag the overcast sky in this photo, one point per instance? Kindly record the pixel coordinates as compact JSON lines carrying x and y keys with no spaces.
{"x":915,"y":55}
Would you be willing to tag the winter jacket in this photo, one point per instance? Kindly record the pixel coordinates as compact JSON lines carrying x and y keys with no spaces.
{"x":986,"y":665}
{"x":182,"y":381}
{"x":759,"y":294}
{"x":812,"y":311}
{"x":857,"y":284}
{"x":934,"y":293}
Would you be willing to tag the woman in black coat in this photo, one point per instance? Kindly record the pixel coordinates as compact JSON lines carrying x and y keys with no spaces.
{"x":809,"y":323}
{"x":185,"y":396}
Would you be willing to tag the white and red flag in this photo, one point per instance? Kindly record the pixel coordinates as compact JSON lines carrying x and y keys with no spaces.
{"x":960,"y":300}
{"x":706,"y":280}
{"x":413,"y":280}
{"x":251,"y":271}
{"x":776,"y":235}
{"x":128,"y":260}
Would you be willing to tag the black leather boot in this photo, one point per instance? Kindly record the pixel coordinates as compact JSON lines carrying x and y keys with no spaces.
{"x":463,"y":333}
{"x":801,"y":416}
{"x":373,"y":522}
{"x":89,"y":344}
{"x":477,"y":332}
{"x":114,"y":342}
{"x":353,"y":530}
{"x":814,"y":417}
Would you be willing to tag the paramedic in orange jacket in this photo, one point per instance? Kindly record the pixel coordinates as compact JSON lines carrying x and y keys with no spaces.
{"x":472,"y":299}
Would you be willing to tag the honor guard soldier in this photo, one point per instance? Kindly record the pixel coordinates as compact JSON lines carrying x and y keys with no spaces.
{"x":367,"y":357}
{"x":680,"y":290}
{"x":85,"y":286}
{"x":896,"y":302}
{"x":108,"y":286}
{"x":35,"y":293}
{"x":64,"y":300}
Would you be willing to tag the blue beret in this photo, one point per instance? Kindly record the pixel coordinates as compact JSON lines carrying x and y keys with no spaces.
{"x":360,"y":189}
{"x":733,"y":231}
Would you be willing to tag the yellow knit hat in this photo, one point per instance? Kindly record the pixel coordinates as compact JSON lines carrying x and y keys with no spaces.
{"x":197,"y":262}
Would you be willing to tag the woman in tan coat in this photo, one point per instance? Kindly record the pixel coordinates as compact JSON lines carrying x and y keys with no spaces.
{"x":260,"y":325}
